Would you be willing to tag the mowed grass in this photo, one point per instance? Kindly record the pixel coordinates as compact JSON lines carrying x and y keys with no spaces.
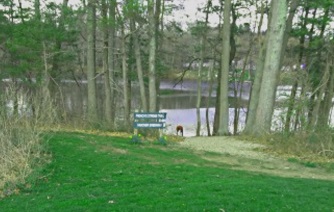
{"x":101,"y":173}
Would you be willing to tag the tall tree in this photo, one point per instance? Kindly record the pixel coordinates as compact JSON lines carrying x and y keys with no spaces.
{"x":133,"y":8}
{"x":274,"y":41}
{"x":225,"y":67}
{"x":58,"y":58}
{"x":158,"y":15}
{"x":291,"y":101}
{"x":110,"y":75}
{"x":200,"y":69}
{"x":256,"y":86}
{"x":319,"y":70}
{"x":326,"y":106}
{"x":91,"y":29}
{"x":217,"y":102}
{"x":105,"y":36}
{"x":152,"y":56}
{"x":125,"y":74}
{"x":45,"y":78}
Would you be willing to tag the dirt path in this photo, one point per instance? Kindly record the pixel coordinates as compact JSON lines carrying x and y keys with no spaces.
{"x":243,"y":155}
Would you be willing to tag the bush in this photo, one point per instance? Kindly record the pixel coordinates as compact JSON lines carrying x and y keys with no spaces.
{"x":19,"y":147}
{"x":305,"y":144}
{"x":20,"y":140}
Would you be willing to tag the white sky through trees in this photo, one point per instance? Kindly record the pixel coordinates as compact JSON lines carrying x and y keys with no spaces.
{"x":188,"y":13}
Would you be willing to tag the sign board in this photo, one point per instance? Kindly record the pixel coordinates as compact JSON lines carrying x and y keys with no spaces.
{"x":148,"y":125}
{"x":149,"y":120}
{"x":150,"y":115}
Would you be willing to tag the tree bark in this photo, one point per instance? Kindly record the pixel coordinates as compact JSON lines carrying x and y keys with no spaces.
{"x":225,"y":67}
{"x":45,"y":94}
{"x":275,"y":35}
{"x":91,"y":28}
{"x":210,"y":80}
{"x":152,"y":57}
{"x":217,"y":102}
{"x":159,"y":10}
{"x":301,"y":119}
{"x":322,"y":88}
{"x":294,"y":89}
{"x":327,"y":102}
{"x":199,"y":89}
{"x":107,"y":88}
{"x":139,"y":67}
{"x":236,"y":82}
{"x":125,"y":73}
{"x":314,"y":74}
{"x":200,"y":70}
{"x":255,"y":89}
{"x":111,"y":64}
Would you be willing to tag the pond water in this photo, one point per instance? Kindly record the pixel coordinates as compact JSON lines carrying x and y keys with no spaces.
{"x":181,"y":108}
{"x":180,"y":96}
{"x":178,"y":100}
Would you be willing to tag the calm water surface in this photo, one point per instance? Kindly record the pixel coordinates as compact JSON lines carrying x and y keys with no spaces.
{"x":178,"y":100}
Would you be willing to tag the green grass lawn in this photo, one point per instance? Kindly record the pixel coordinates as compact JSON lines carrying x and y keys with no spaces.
{"x":100,"y":173}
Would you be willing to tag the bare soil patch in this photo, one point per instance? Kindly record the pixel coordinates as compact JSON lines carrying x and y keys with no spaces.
{"x":243,"y":155}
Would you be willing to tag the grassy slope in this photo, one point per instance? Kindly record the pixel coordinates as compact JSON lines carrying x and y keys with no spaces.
{"x":99,"y":173}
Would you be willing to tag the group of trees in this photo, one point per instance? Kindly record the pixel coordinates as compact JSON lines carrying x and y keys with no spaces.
{"x":132,"y":41}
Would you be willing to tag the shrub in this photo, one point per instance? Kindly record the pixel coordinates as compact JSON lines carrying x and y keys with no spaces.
{"x":20,"y":140}
{"x":305,"y":144}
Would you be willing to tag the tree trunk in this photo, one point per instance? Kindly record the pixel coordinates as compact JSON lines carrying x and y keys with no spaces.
{"x":200,"y":70}
{"x":255,"y":89}
{"x":199,"y":91}
{"x":152,"y":57}
{"x":294,"y":89}
{"x":107,"y":88}
{"x":125,"y":73}
{"x":57,"y":58}
{"x":327,"y":103}
{"x":293,"y":6}
{"x":315,"y":73}
{"x":275,"y":35}
{"x":54,"y":87}
{"x":322,"y":88}
{"x":140,"y":74}
{"x":225,"y":67}
{"x":45,"y":94}
{"x":110,"y":103}
{"x":159,"y":10}
{"x":210,"y":80}
{"x":217,"y":106}
{"x":236,"y":83}
{"x":300,"y":117}
{"x":91,"y":28}
{"x":217,"y":103}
